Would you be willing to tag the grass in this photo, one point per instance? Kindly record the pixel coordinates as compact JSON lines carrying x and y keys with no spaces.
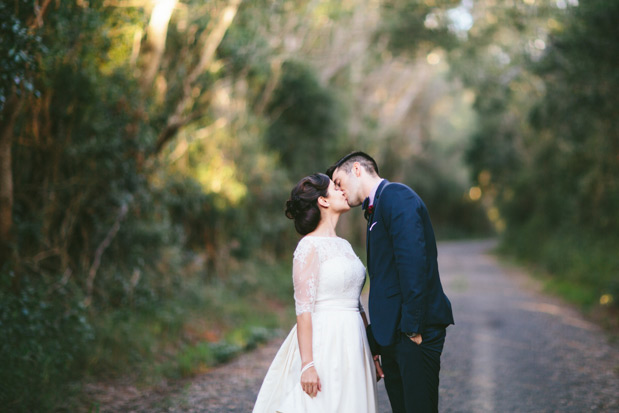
{"x":205,"y":324}
{"x":579,"y":268}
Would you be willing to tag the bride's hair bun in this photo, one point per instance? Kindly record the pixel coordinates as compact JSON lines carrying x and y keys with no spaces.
{"x":293,"y":207}
{"x":302,"y":206}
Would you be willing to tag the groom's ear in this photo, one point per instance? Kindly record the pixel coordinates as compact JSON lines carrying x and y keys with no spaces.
{"x":356,"y":168}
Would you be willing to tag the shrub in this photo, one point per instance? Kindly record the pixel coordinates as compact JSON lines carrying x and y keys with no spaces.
{"x":42,"y":340}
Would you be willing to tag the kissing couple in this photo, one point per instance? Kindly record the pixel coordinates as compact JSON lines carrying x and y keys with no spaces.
{"x":333,"y":357}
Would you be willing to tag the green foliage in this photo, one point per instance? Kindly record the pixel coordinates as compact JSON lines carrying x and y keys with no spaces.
{"x":579,"y":265}
{"x":118,"y":252}
{"x":18,"y":48}
{"x":546,"y":148}
{"x":305,"y":121}
{"x":245,"y":47}
{"x":453,"y":213}
{"x":196,"y":357}
{"x":407,"y":24}
{"x":202,"y":325}
{"x":578,"y":115}
{"x":86,"y":167}
{"x":80,"y":167}
{"x":43,"y":339}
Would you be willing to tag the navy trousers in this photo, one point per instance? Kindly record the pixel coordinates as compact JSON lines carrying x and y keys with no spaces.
{"x":412,"y":372}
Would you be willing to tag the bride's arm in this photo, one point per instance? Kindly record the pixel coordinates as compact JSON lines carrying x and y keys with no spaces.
{"x":304,"y":335}
{"x":310,"y":382}
{"x":304,"y":275}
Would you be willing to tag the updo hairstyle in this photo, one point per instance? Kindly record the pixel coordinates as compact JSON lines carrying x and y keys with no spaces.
{"x":302,"y":206}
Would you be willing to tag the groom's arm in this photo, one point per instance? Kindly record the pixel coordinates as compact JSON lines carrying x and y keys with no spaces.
{"x":405,"y":227}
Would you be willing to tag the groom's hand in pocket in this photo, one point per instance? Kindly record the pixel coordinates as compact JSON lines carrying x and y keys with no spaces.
{"x":417,"y":339}
{"x":379,"y":368}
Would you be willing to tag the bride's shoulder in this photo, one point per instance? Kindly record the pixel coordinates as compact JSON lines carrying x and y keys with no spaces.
{"x":343,"y":240}
{"x":305,"y":246}
{"x":306,"y":240}
{"x":312,"y":244}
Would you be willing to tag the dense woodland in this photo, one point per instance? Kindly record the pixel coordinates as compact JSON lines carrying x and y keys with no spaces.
{"x":147,"y":148}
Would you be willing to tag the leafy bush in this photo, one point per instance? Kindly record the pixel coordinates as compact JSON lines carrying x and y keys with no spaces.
{"x":579,"y":266}
{"x":546,"y":147}
{"x":43,"y":339}
{"x":306,"y":121}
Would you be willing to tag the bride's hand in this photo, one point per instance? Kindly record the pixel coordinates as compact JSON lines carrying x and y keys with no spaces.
{"x":310,"y":382}
{"x":379,"y":369}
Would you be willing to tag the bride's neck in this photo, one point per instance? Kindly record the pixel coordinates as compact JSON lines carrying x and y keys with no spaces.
{"x":326,"y":226}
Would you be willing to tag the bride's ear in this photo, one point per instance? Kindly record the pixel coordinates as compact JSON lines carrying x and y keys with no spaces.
{"x":322,"y":201}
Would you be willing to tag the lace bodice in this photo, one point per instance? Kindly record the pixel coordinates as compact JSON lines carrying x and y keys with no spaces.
{"x":325,"y":269}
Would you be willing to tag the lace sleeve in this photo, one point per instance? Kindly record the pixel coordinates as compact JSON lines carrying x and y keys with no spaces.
{"x":305,"y":277}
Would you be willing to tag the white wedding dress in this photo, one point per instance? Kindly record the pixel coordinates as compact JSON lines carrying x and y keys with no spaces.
{"x":328,"y":278}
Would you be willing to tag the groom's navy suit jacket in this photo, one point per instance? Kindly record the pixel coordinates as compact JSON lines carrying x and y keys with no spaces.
{"x":406,"y":294}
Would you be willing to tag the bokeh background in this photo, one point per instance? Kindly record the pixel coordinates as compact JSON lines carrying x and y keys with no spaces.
{"x":147,"y":148}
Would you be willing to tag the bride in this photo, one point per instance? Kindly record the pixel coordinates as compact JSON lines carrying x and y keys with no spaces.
{"x":325,"y":363}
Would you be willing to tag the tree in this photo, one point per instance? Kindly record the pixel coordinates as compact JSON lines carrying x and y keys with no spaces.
{"x":17,"y":54}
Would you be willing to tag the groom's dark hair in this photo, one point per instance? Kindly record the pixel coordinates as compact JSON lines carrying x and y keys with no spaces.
{"x":346,"y":163}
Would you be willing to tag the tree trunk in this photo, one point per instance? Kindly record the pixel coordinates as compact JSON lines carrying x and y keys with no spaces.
{"x":7,"y":121}
{"x":210,"y":41}
{"x":156,"y":34}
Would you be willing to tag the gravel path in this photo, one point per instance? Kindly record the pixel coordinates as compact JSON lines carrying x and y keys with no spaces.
{"x":515,"y":349}
{"x":512,"y":349}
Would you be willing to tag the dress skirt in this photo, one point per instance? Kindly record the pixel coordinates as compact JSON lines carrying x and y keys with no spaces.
{"x":342,"y":359}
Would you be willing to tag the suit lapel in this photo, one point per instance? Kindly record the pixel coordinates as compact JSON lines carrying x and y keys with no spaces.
{"x":367,"y":244}
{"x":379,"y":190}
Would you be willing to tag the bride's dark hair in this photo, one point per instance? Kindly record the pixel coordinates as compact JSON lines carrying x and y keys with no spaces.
{"x":302,"y":206}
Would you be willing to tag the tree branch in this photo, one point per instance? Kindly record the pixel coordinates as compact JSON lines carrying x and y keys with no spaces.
{"x":173,"y":126}
{"x":269,"y":88}
{"x":156,"y":34}
{"x":99,"y":252}
{"x":40,"y":12}
{"x":210,"y":40}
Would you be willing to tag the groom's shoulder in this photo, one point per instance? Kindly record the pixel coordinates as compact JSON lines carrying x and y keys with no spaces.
{"x":402,"y":194}
{"x":399,"y":189}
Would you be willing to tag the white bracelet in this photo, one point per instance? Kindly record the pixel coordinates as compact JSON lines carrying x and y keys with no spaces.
{"x":307,"y":366}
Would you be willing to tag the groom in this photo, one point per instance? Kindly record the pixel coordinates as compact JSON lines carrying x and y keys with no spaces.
{"x":409,"y":311}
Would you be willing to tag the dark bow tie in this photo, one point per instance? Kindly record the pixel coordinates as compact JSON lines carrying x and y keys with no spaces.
{"x":366,"y":203}
{"x":367,"y":208}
